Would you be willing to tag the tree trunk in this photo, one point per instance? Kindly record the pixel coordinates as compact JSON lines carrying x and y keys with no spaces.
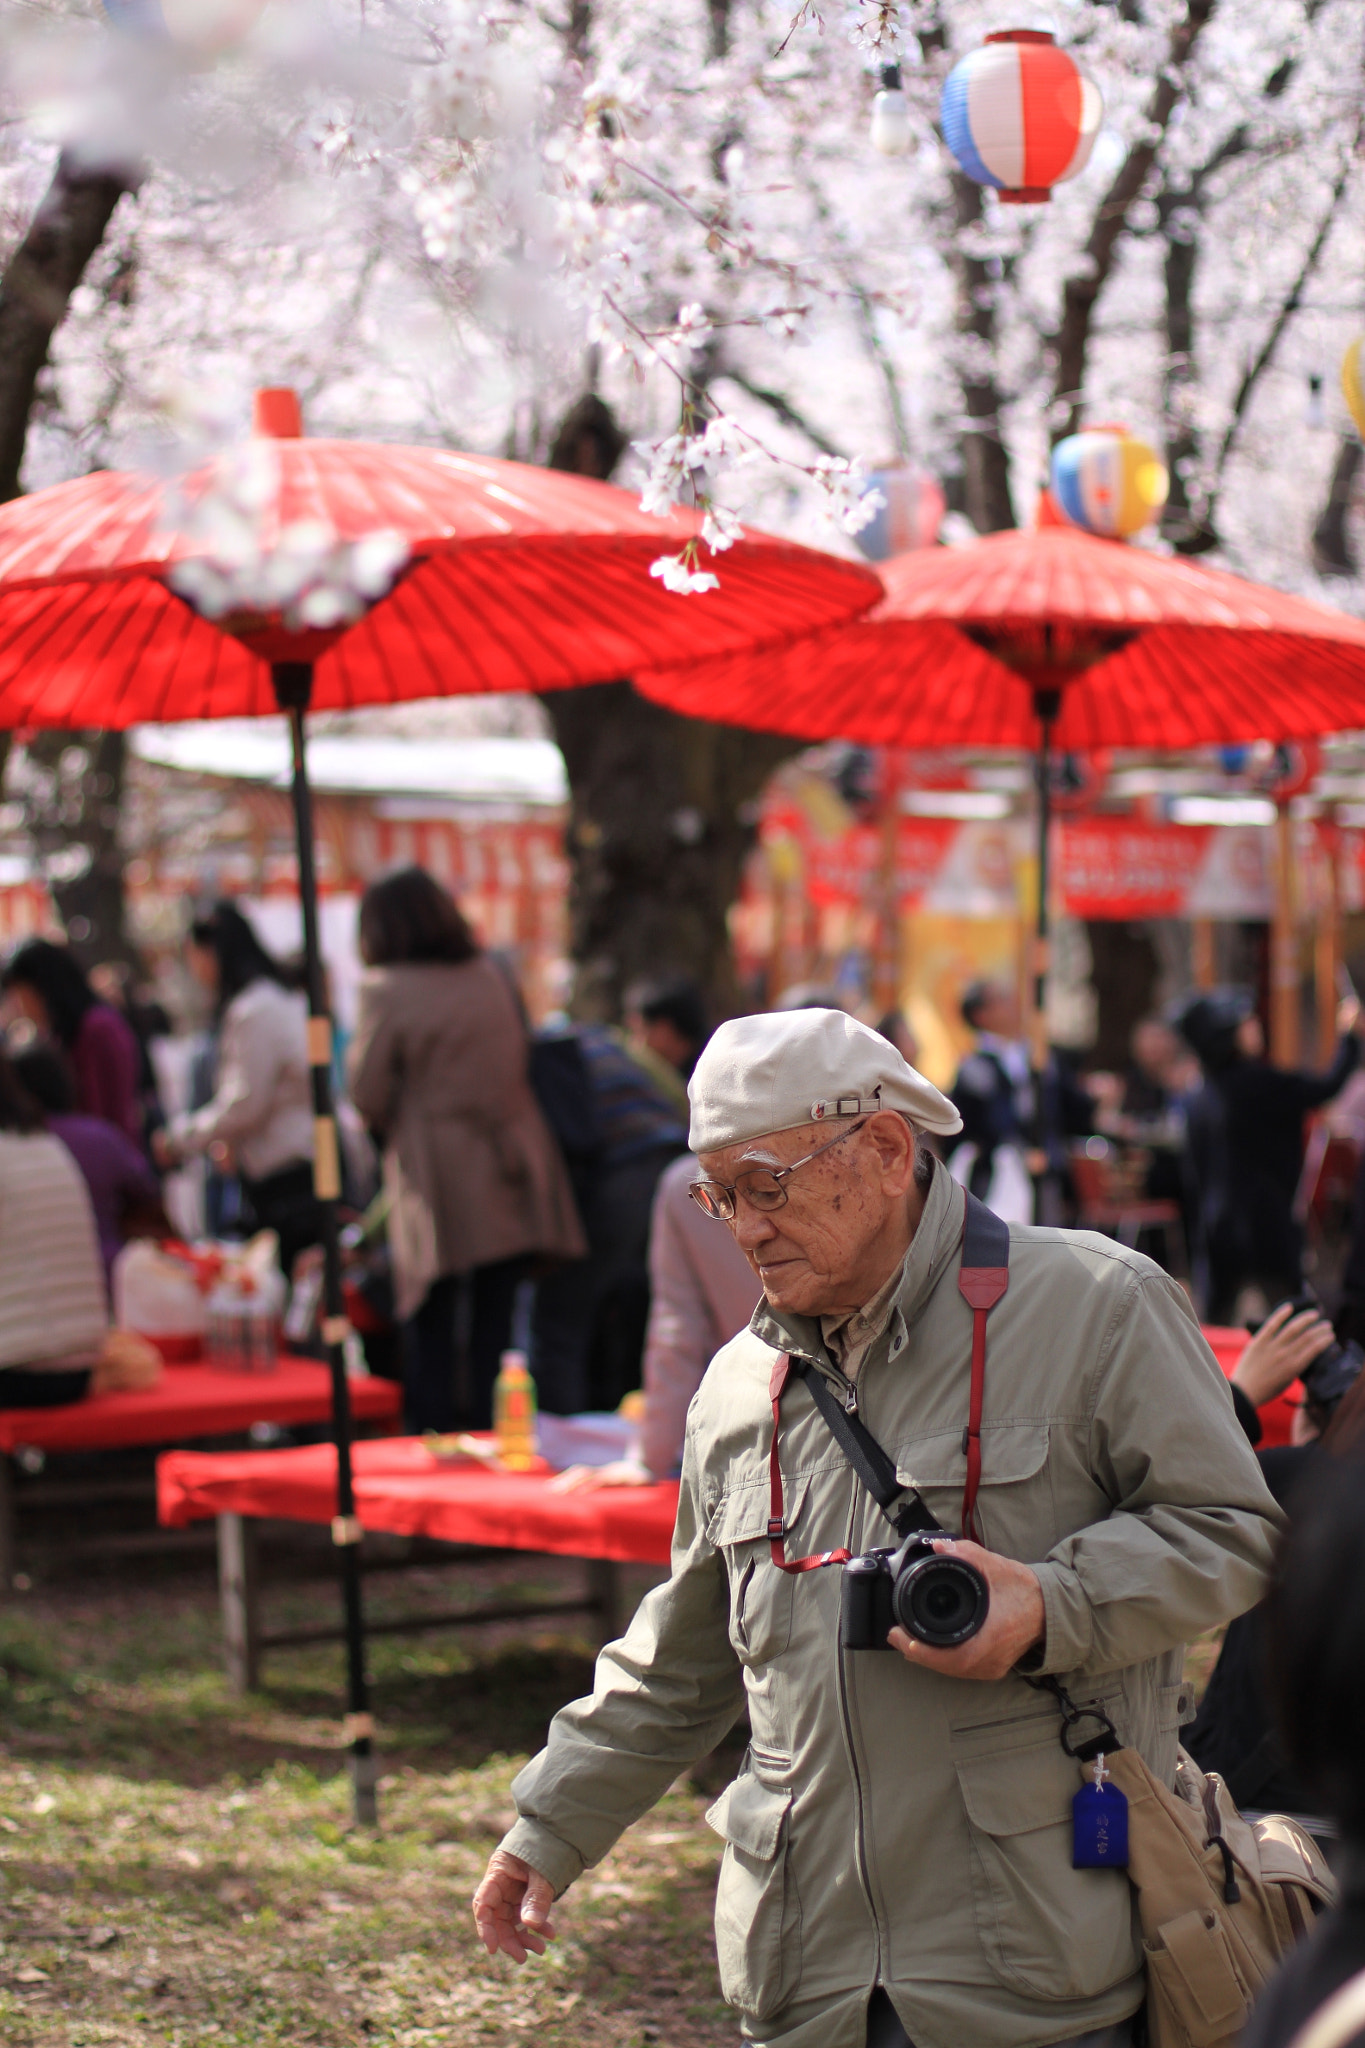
{"x":73,"y":782}
{"x":660,"y":824}
{"x":660,"y":810}
{"x":36,"y":289}
{"x":986,"y":497}
{"x":1333,"y":554}
{"x":71,"y":786}
{"x":1081,"y":293}
{"x":1187,"y":530}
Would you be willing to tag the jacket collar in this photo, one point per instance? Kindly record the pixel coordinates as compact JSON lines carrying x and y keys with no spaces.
{"x":932,"y":1249}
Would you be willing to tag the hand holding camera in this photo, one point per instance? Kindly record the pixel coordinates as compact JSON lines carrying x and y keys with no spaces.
{"x":946,"y":1604}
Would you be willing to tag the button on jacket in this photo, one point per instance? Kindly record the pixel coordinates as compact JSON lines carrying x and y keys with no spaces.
{"x":891,"y":1825}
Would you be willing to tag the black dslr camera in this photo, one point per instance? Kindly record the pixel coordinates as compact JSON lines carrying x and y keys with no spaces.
{"x":939,"y":1599}
{"x":1333,"y":1372}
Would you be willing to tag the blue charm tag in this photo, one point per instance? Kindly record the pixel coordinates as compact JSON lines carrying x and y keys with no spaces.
{"x":1099,"y":1824}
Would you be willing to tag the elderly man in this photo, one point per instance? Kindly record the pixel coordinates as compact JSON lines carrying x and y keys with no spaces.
{"x":898,"y":1863}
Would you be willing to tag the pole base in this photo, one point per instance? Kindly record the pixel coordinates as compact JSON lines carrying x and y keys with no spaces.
{"x":364,"y":1788}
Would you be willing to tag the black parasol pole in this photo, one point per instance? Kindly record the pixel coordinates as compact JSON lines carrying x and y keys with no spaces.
{"x":293,"y":682}
{"x":1047,"y":703}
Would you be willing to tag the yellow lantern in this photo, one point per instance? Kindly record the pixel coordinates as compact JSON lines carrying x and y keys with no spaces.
{"x":1353,"y":385}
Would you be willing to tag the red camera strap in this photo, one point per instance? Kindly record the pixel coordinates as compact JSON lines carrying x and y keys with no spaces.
{"x":982,"y":1281}
{"x":984,"y":1276}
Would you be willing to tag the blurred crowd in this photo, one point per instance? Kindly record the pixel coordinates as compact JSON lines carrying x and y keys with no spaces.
{"x":510,"y":1187}
{"x":507,"y":1187}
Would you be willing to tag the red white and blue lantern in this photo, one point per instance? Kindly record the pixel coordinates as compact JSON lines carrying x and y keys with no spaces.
{"x":909,"y":517}
{"x":1020,"y":115}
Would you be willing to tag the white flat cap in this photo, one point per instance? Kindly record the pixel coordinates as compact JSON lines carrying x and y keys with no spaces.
{"x":772,"y":1072}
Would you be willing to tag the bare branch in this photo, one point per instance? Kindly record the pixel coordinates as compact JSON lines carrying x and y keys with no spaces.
{"x":1082,"y":291}
{"x":781,"y":408}
{"x":1293,"y":298}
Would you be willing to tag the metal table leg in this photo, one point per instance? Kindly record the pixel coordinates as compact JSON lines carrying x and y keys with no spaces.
{"x":240,"y":1595}
{"x":606,"y":1598}
{"x":8,"y":1553}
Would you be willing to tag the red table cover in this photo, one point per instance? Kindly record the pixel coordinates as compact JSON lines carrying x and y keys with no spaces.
{"x":195,"y":1401}
{"x":1277,"y":1416}
{"x":400,"y":1487}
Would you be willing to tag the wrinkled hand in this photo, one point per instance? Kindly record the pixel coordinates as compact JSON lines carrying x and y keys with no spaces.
{"x":1278,"y":1353}
{"x":588,"y":1478}
{"x":512,"y":1908}
{"x":1015,"y":1622}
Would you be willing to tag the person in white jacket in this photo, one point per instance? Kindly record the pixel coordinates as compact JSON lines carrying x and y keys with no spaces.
{"x":261,"y":1112}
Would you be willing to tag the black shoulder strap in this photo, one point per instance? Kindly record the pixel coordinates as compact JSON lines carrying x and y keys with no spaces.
{"x":872,"y":1464}
{"x":985,"y":1237}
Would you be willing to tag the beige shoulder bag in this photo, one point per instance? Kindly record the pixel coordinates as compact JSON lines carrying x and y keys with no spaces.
{"x":1220,"y":1899}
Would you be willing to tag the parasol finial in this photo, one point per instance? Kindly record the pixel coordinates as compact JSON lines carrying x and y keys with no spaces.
{"x":276,"y":414}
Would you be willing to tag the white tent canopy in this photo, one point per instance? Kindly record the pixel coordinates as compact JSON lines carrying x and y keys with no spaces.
{"x":477,"y":769}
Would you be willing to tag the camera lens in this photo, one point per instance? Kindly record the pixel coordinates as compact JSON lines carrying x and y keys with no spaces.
{"x":941,"y":1601}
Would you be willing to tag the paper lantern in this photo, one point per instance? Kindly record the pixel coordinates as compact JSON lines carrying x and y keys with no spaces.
{"x":911,"y":516}
{"x":1020,"y":115}
{"x":1107,"y":482}
{"x":1353,"y":386}
{"x":199,"y":26}
{"x":891,"y":132}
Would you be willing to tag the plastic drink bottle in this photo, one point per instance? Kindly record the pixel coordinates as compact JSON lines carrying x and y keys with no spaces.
{"x":514,"y":1413}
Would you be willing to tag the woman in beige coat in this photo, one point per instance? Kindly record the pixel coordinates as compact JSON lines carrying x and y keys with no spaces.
{"x":477,"y":1187}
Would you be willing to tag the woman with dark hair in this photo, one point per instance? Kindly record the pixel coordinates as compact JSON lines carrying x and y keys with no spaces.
{"x":123,"y":1189}
{"x":53,"y":1309}
{"x":262,"y":1110}
{"x":408,"y":917}
{"x":46,"y":983}
{"x":476,"y":1183}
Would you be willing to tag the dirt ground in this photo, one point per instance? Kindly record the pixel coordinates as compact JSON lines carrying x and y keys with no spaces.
{"x":178,"y":1868}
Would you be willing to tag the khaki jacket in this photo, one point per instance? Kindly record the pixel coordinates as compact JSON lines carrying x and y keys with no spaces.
{"x":889,"y":1824}
{"x":438,"y":1067}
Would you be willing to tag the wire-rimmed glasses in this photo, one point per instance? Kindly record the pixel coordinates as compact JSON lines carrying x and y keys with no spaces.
{"x":763,"y":1187}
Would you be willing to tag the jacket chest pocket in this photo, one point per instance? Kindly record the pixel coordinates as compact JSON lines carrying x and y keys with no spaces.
{"x":758,"y":1912}
{"x":1046,"y":1928}
{"x":1013,"y":1469}
{"x":761,"y":1595}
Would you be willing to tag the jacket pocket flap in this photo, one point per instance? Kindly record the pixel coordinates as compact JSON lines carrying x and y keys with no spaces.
{"x":1018,"y":1790}
{"x":750,"y":1814}
{"x":1010,"y":1452}
{"x":741,"y":1515}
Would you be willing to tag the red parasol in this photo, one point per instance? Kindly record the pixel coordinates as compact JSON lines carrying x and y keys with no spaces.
{"x":502,"y":577}
{"x":1146,"y":650}
{"x":1050,"y":636}
{"x":293,"y":573}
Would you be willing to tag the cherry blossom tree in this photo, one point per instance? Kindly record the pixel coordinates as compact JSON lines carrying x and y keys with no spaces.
{"x":654,"y":241}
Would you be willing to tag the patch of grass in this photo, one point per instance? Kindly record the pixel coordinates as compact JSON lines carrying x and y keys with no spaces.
{"x":178,"y":1868}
